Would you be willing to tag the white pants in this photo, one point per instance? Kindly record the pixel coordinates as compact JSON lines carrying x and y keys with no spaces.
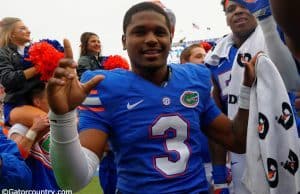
{"x":238,"y":162}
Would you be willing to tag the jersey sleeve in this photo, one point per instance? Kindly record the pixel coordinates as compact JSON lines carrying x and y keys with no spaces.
{"x":97,"y":109}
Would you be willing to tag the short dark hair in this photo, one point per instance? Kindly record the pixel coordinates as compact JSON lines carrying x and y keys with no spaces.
{"x":144,"y":6}
{"x":36,"y":92}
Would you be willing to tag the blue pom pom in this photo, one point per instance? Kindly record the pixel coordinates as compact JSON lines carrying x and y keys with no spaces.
{"x":55,"y":44}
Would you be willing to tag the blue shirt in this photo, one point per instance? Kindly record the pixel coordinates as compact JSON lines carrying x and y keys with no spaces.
{"x":154,"y":131}
{"x":14,"y":173}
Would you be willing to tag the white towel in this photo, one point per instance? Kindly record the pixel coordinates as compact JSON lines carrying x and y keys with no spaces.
{"x":254,"y":44}
{"x":273,"y":149}
{"x":220,"y":51}
{"x":250,"y":47}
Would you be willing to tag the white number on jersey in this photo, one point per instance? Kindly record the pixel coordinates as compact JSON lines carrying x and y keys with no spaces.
{"x":176,"y":144}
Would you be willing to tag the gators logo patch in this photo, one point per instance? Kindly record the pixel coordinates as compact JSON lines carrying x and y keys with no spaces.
{"x":189,"y":99}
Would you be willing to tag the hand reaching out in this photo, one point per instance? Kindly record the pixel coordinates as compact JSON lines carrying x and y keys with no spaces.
{"x":64,"y":90}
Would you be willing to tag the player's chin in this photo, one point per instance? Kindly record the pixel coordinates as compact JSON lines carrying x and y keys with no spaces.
{"x":155,"y":63}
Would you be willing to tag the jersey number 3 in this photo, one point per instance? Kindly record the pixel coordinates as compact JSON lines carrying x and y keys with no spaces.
{"x":176,"y":145}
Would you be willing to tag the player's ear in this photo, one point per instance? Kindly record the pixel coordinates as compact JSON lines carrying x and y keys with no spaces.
{"x":124,"y":41}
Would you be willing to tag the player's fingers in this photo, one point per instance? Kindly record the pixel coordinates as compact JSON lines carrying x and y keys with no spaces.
{"x":88,"y":86}
{"x":68,"y":49}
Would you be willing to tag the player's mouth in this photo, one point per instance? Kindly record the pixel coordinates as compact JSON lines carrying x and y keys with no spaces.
{"x":241,"y":21}
{"x":150,"y":53}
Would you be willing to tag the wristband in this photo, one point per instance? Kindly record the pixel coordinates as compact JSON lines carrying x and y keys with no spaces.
{"x":219,"y":174}
{"x":62,"y":119}
{"x":244,"y":99}
{"x":63,"y":128}
{"x":31,"y":134}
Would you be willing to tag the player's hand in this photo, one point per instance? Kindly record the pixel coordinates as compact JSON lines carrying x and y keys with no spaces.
{"x":40,"y":123}
{"x":259,"y":8}
{"x":249,"y":73}
{"x":64,"y":90}
{"x":40,"y":126}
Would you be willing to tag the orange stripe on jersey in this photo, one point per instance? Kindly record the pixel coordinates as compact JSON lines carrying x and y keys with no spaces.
{"x":95,"y":109}
{"x":94,"y":92}
{"x":5,"y":131}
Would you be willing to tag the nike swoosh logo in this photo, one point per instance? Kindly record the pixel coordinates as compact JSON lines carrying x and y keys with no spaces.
{"x":131,"y":106}
{"x":233,"y":163}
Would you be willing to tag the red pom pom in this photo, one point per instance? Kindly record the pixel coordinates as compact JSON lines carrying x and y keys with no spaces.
{"x":115,"y":61}
{"x":45,"y":58}
{"x":206,"y":46}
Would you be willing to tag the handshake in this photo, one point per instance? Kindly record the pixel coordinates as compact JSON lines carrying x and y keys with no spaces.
{"x":259,"y":8}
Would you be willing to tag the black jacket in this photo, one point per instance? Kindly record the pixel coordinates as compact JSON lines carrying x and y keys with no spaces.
{"x":89,"y":62}
{"x":12,"y":76}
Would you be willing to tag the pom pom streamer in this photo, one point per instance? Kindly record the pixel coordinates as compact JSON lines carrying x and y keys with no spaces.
{"x":44,"y":55}
{"x":115,"y":61}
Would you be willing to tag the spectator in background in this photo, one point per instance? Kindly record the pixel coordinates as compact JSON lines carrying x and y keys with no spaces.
{"x":16,"y":78}
{"x":90,"y":53}
{"x":20,"y":82}
{"x":35,"y":148}
{"x":91,"y":59}
{"x":194,"y":53}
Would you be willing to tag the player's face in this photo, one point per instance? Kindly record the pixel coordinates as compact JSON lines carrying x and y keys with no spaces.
{"x":239,"y":19}
{"x":147,"y":40}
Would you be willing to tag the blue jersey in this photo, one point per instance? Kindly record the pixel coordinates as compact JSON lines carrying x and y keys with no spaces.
{"x":108,"y":173}
{"x":40,"y":165}
{"x":222,"y":75}
{"x":154,"y":131}
{"x":14,"y":173}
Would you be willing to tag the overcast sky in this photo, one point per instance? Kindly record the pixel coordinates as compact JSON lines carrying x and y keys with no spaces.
{"x":58,"y":19}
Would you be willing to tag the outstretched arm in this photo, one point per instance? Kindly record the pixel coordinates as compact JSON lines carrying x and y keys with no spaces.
{"x":74,"y":159}
{"x":231,"y":134}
